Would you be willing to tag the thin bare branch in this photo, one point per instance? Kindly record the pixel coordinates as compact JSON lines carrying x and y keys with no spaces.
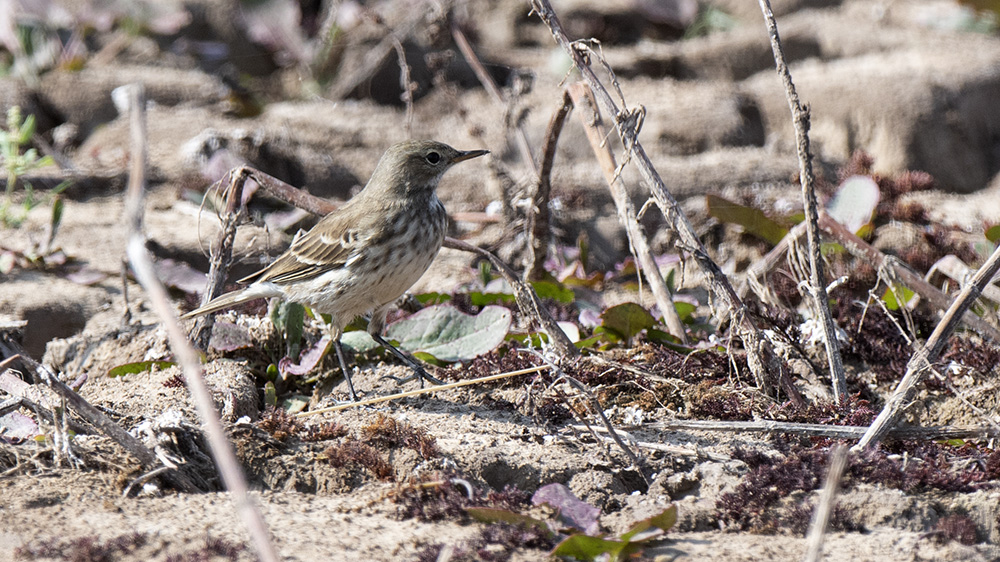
{"x":142,"y":265}
{"x":590,"y":116}
{"x":864,"y":251}
{"x":924,"y":357}
{"x":817,"y":284}
{"x":767,"y":368}
{"x":823,"y":430}
{"x":821,"y":517}
{"x":495,"y":92}
{"x":222,"y":256}
{"x":538,"y":213}
{"x":526,"y":297}
{"x":406,"y":84}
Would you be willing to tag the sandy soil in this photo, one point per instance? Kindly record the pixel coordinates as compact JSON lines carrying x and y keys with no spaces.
{"x":903,"y":81}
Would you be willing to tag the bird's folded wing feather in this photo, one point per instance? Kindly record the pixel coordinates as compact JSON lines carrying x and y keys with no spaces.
{"x":324,"y":248}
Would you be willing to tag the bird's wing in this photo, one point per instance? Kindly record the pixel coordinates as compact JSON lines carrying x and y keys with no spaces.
{"x":327,"y":246}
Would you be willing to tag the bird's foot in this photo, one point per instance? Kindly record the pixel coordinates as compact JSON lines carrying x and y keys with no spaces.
{"x":418,"y":373}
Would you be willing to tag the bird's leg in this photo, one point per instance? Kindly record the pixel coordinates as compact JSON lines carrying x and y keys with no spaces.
{"x":411,"y":362}
{"x":343,"y":367}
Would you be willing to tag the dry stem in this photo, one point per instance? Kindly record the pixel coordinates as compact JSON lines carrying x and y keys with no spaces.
{"x":538,"y":213}
{"x":923,"y":358}
{"x":768,"y":370}
{"x":821,"y":518}
{"x":590,"y":116}
{"x":817,"y":284}
{"x":187,"y":357}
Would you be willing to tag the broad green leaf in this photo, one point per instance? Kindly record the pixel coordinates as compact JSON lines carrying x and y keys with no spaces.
{"x":662,"y":521}
{"x":451,"y":335}
{"x":754,"y":221}
{"x":993,"y":233}
{"x":138,"y":367}
{"x":554,"y":291}
{"x":493,"y":515}
{"x":485,"y":299}
{"x":889,"y":297}
{"x":684,"y":310}
{"x":588,"y":343}
{"x":432,"y":298}
{"x":854,"y":203}
{"x":357,"y":341}
{"x":585,"y":547}
{"x":659,"y":336}
{"x":627,"y":319}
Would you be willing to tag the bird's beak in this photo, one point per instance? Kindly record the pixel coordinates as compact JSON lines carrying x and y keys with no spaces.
{"x":469,"y":154}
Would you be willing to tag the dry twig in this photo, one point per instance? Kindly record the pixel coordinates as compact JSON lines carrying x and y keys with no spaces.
{"x":822,"y":430}
{"x":821,"y":517}
{"x":922,"y":360}
{"x":491,"y":87}
{"x":187,"y":357}
{"x":864,"y":251}
{"x":817,"y":284}
{"x":583,"y":100}
{"x":538,"y":212}
{"x":768,"y":370}
{"x":222,"y":256}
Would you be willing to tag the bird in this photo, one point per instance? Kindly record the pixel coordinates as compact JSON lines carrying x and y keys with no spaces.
{"x":359,"y":259}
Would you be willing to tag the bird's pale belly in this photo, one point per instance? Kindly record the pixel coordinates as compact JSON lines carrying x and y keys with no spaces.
{"x":368,"y":282}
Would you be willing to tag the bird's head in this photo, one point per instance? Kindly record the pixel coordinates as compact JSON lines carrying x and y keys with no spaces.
{"x":416,"y":166}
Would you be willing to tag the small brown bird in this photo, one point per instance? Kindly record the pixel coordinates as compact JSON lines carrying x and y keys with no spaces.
{"x":361,"y":258}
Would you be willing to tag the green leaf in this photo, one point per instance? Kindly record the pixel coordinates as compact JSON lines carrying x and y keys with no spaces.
{"x":358,"y":341}
{"x":889,"y":297}
{"x":684,"y":310}
{"x":754,"y":221}
{"x":588,"y":343}
{"x":659,"y":336}
{"x":662,"y":521}
{"x":451,"y":335}
{"x":288,"y":318}
{"x":493,"y":515}
{"x":57,"y":212}
{"x":485,"y":299}
{"x":585,"y":547}
{"x":432,"y":298}
{"x":671,"y":287}
{"x":270,"y":395}
{"x":626,"y":320}
{"x":993,"y":233}
{"x":138,"y":367}
{"x":27,"y":129}
{"x":554,"y":291}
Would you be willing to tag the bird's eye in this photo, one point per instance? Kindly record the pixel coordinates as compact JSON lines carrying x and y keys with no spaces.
{"x":433,"y":157}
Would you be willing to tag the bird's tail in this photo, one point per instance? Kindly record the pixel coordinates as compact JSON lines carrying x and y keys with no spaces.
{"x":234,"y":298}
